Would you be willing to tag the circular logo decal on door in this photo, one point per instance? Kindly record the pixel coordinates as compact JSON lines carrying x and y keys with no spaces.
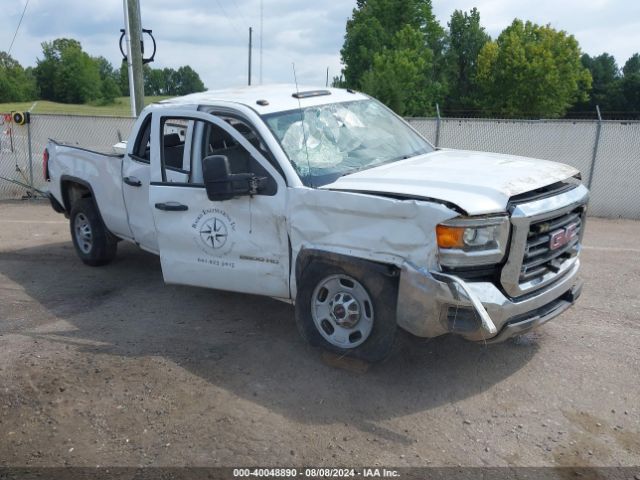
{"x":214,"y":233}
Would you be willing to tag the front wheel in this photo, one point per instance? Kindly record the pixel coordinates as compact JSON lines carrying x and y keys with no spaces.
{"x":94,"y":244}
{"x":348,"y":310}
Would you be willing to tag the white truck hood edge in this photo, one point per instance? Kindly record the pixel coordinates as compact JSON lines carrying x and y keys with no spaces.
{"x":478,"y":182}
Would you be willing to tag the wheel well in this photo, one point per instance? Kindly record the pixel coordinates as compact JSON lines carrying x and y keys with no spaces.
{"x":306,"y":257}
{"x":72,"y":191}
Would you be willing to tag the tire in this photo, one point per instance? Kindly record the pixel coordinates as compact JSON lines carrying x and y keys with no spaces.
{"x":348,"y":309}
{"x":94,"y":244}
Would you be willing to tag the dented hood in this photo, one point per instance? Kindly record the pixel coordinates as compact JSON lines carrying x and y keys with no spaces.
{"x":478,"y":182}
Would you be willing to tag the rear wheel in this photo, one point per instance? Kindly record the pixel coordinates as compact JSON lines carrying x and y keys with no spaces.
{"x":348,"y":310}
{"x":94,"y":244}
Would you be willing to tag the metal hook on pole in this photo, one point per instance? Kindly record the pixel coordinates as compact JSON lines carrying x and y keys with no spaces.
{"x":144,"y":60}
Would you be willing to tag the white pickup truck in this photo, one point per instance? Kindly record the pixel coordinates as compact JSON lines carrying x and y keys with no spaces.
{"x":328,"y":199}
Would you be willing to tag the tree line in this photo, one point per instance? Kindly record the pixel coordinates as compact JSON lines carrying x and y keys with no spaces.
{"x":397,"y":51}
{"x":67,"y":74}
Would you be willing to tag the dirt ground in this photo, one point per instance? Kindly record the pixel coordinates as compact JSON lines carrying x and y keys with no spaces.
{"x":109,"y":366}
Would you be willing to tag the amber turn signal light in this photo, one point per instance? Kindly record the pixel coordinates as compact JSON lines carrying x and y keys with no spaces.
{"x":450,"y":237}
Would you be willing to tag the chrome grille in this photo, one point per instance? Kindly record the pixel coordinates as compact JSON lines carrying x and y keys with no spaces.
{"x":539,"y":256}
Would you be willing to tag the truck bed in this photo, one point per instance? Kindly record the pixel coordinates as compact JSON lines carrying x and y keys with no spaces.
{"x":101,"y":173}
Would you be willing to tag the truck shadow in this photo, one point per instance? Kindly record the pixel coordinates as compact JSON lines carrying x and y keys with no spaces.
{"x":244,"y":344}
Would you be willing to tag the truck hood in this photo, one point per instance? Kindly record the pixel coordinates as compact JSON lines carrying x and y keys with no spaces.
{"x":477,"y":182}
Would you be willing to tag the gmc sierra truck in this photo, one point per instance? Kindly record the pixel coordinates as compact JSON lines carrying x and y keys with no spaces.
{"x":327,"y":199}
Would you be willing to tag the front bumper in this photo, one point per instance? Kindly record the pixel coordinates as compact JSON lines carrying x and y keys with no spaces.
{"x":432,"y":304}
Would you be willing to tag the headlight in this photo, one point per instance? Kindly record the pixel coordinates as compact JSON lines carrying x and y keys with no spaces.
{"x":468,"y":242}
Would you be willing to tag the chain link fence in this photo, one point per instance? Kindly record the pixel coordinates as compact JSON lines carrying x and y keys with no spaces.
{"x":606,"y":152}
{"x":15,"y":172}
{"x":18,"y":161}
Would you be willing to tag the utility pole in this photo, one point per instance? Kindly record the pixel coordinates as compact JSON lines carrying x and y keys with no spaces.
{"x":250,"y":48}
{"x":261,"y":32}
{"x":133,"y":35}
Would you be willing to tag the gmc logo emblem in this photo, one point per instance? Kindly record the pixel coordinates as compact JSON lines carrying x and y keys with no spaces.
{"x":561,"y":237}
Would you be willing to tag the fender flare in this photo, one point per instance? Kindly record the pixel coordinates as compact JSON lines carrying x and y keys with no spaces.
{"x":67,"y":179}
{"x":306,"y":256}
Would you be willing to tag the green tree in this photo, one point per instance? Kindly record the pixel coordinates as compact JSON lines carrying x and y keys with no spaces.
{"x":188,"y":81}
{"x":399,"y":76}
{"x":105,"y":69}
{"x":606,"y":88}
{"x":631,"y":92}
{"x":109,"y":81}
{"x":109,"y":91}
{"x":466,"y":39}
{"x":531,"y":70}
{"x":123,"y":79}
{"x":613,"y":90}
{"x":154,"y":83}
{"x":630,"y":84}
{"x":168,"y":81}
{"x":31,"y":84}
{"x":373,"y":28}
{"x":16,"y":83}
{"x":632,"y":65}
{"x":338,"y":82}
{"x":66,"y":73}
{"x":365,"y":37}
{"x":436,"y":39}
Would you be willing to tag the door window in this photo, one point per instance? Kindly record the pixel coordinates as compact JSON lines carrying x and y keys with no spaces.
{"x":181,"y":153}
{"x":173,"y":144}
{"x":142,"y":145}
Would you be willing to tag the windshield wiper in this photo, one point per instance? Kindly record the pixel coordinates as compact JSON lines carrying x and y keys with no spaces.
{"x":356,"y":170}
{"x":408,"y":156}
{"x":369,"y":166}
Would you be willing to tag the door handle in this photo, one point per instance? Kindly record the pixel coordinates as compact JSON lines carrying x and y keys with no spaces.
{"x":172,"y":207}
{"x":133,"y":181}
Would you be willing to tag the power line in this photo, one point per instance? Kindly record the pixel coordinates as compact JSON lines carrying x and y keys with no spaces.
{"x":18,"y":27}
{"x":231,"y":22}
{"x":242,"y":18}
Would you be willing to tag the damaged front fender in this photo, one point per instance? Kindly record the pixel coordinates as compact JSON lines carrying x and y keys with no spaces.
{"x":368,"y":227}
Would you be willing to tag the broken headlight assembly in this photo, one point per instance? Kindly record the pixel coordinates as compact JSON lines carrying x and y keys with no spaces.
{"x":471,"y":242}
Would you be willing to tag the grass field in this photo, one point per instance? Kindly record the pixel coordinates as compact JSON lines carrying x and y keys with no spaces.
{"x":121,"y":107}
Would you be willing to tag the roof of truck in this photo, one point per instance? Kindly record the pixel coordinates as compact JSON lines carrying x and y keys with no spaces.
{"x":269,"y":98}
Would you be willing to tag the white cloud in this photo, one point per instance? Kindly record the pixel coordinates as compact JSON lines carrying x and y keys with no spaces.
{"x":211,"y":35}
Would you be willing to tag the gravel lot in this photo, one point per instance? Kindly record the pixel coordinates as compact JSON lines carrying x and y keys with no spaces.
{"x":108,"y":366}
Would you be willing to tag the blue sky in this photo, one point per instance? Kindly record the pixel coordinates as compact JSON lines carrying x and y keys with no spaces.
{"x":211,"y":35}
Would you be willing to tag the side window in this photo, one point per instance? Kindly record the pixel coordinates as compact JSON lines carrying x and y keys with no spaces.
{"x":142,"y":147}
{"x":216,"y":141}
{"x":185,"y":143}
{"x":245,"y":129}
{"x":175,"y":149}
{"x":250,"y":135}
{"x":174,"y":135}
{"x":220,"y":142}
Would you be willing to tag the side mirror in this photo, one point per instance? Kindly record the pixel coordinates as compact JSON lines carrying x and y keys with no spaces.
{"x":222,"y":185}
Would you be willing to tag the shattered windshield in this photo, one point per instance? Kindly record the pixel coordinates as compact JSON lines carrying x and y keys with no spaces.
{"x":342,"y":138}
